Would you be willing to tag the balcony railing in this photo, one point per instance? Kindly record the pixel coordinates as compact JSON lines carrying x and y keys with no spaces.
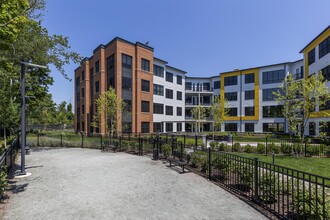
{"x":199,"y":89}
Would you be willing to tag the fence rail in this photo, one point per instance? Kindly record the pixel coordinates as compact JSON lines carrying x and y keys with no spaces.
{"x":7,"y":159}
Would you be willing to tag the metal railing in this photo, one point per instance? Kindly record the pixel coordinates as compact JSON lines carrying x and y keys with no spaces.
{"x":7,"y":158}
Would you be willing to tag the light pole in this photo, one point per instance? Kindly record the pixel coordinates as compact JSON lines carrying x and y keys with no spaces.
{"x":23,"y":108}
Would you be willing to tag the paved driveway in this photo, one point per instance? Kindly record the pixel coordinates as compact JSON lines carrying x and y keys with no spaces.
{"x":89,"y":184}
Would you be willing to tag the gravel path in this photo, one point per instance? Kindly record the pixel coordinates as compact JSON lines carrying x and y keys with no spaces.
{"x":89,"y":184}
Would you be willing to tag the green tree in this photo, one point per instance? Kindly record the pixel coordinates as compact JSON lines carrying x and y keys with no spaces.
{"x":218,"y":111}
{"x":107,"y":106}
{"x":199,"y":114}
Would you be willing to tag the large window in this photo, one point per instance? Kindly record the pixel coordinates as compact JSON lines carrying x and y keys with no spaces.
{"x":206,"y":86}
{"x":231,"y":127}
{"x":273,"y":127}
{"x":145,"y":127}
{"x":97,"y":66}
{"x":275,"y":76}
{"x":249,"y":78}
{"x":188,"y":86}
{"x":158,"y":90}
{"x":145,"y":85}
{"x":126,"y":83}
{"x":97,"y":86}
{"x":249,"y":111}
{"x":179,"y":111}
{"x":126,"y":61}
{"x":82,"y":92}
{"x":158,"y":71}
{"x":312,"y":128}
{"x":169,"y":77}
{"x":249,"y":127}
{"x":111,"y":71}
{"x":145,"y":106}
{"x":145,"y":64}
{"x":77,"y":81}
{"x":274,"y":111}
{"x":179,"y":80}
{"x":82,"y":75}
{"x":216,"y":84}
{"x":169,"y":126}
{"x":157,"y":126}
{"x":324,"y":47}
{"x":232,"y":111}
{"x":326,"y":73}
{"x":325,"y":106}
{"x":82,"y":109}
{"x":158,"y":108}
{"x":231,"y":96}
{"x":231,"y":80}
{"x":249,"y":94}
{"x":268,"y":94}
{"x":179,"y":95}
{"x":169,"y":110}
{"x":169,"y":93}
{"x":178,"y":126}
{"x":311,"y":57}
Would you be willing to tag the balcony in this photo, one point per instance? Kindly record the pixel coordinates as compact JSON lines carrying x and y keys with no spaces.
{"x":205,"y":104}
{"x":199,"y":89}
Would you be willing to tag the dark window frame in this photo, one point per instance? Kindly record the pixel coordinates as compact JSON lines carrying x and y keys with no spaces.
{"x":249,"y":78}
{"x":249,"y":94}
{"x":145,"y":64}
{"x":169,"y":94}
{"x":168,"y":110}
{"x":158,"y":89}
{"x":249,"y":111}
{"x":230,"y":80}
{"x":169,"y":77}
{"x":179,"y":80}
{"x":145,"y":106}
{"x":231,"y":96}
{"x":145,"y":85}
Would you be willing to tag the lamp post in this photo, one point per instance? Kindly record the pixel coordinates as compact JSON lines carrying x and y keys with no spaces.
{"x":23,"y":108}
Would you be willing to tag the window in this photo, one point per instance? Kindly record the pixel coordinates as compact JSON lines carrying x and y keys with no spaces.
{"x":82,"y":75}
{"x":77,"y":81}
{"x":275,"y":76}
{"x":91,"y":71}
{"x":145,"y":64}
{"x":78,"y":111}
{"x":169,"y":77}
{"x":311,"y":128}
{"x":169,"y":110}
{"x":82,"y":92}
{"x":78,"y":96}
{"x":268,"y":94}
{"x":325,"y":106}
{"x":231,"y":127}
{"x":232,"y":111}
{"x":326,"y":73}
{"x":145,"y":106}
{"x":158,"y":90}
{"x":144,"y":127}
{"x":169,"y":126}
{"x":179,"y":80}
{"x":169,"y":93}
{"x":83,"y":126}
{"x":249,"y":95}
{"x":157,"y":126}
{"x":158,"y":108}
{"x":249,"y":127}
{"x":178,"y":126}
{"x":126,"y":61}
{"x":231,"y":80}
{"x":324,"y":47}
{"x":82,"y":109}
{"x":231,"y":96}
{"x":126,"y":83}
{"x":273,"y":127}
{"x":178,"y":111}
{"x":97,"y":86}
{"x":216,"y":84}
{"x":311,"y":57}
{"x":158,"y":71}
{"x":179,"y":95}
{"x":249,"y":111}
{"x":97,"y":66}
{"x":274,"y":111}
{"x":145,"y":85}
{"x":325,"y":128}
{"x":111,"y":71}
{"x":206,"y":86}
{"x":249,"y":78}
{"x":188,"y":86}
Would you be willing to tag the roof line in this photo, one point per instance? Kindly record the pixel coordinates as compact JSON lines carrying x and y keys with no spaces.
{"x":176,"y":69}
{"x":315,"y":38}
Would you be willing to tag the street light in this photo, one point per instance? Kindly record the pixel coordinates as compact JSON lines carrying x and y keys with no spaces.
{"x":23,"y":108}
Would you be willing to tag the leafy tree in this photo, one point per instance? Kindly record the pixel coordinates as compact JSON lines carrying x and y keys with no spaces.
{"x":107,"y":107}
{"x":199,"y":114}
{"x":218,"y":111}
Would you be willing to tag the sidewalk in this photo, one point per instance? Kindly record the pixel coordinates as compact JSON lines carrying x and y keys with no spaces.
{"x":89,"y":184}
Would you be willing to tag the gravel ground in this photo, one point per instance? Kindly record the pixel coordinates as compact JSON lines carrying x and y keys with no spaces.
{"x":89,"y":184}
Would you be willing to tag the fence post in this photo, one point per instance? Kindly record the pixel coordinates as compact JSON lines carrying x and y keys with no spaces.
{"x":306,"y":148}
{"x":232,"y":144}
{"x":266,"y":145}
{"x":256,"y":181}
{"x":184,"y":141}
{"x":129,"y":136}
{"x":120,"y":142}
{"x":195,"y":141}
{"x":166,"y":138}
{"x":209,"y":162}
{"x":206,"y":141}
{"x":38,"y":143}
{"x":101,"y":142}
{"x":61,"y":140}
{"x":82,"y":140}
{"x":181,"y":151}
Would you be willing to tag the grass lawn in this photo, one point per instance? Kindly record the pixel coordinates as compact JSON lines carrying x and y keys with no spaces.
{"x":318,"y":166}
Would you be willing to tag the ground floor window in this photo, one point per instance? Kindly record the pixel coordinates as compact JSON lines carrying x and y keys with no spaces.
{"x":273,"y":127}
{"x":179,"y":127}
{"x":249,"y":127}
{"x":231,"y":127}
{"x":158,"y":127}
{"x":188,"y":127}
{"x":325,"y":128}
{"x":145,"y":127}
{"x":312,"y":128}
{"x":127,"y":127}
{"x":169,"y":127}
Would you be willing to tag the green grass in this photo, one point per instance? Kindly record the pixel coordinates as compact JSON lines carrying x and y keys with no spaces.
{"x":317,"y":166}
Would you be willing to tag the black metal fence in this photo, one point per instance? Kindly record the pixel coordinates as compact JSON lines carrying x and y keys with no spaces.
{"x":7,"y":159}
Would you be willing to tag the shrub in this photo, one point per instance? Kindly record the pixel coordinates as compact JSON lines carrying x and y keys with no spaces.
{"x":245,"y":176}
{"x":134,"y":145}
{"x":285,"y":148}
{"x":261,"y":148}
{"x":3,"y":181}
{"x":166,"y":150}
{"x":214,"y":145}
{"x":273,"y":148}
{"x":248,"y":149}
{"x":204,"y":165}
{"x":222,"y":147}
{"x":268,"y":189}
{"x":312,"y":150}
{"x":237,"y":147}
{"x":222,"y":165}
{"x":125,"y":144}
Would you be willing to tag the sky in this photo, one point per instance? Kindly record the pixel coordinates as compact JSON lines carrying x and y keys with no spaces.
{"x":202,"y":37}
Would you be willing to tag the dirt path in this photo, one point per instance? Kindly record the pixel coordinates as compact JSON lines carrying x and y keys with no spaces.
{"x":88,"y":184}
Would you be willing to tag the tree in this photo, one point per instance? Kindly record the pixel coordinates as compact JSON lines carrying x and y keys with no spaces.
{"x":198,"y":113}
{"x":107,"y":107}
{"x":218,"y":111}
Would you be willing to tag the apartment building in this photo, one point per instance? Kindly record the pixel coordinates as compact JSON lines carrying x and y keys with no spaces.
{"x":161,"y":97}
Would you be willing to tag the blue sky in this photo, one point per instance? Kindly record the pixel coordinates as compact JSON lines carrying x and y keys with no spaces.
{"x":202,"y":37}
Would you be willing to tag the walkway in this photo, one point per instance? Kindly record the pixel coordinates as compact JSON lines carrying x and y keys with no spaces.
{"x":89,"y":184}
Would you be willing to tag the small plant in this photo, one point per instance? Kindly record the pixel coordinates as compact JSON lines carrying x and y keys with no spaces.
{"x":222,"y":165}
{"x":273,"y":148}
{"x":3,"y":181}
{"x":261,"y":149}
{"x":268,"y":189}
{"x":245,"y":175}
{"x":166,"y":150}
{"x":248,"y":149}
{"x":134,"y":145}
{"x":237,"y":147}
{"x":214,"y":145}
{"x":285,"y":148}
{"x":222,"y":147}
{"x":204,"y":164}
